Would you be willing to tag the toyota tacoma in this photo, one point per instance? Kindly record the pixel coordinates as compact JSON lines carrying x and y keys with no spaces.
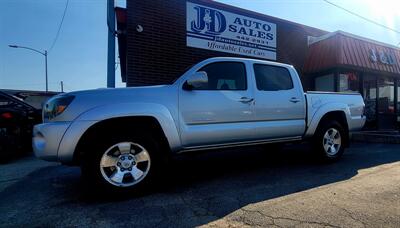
{"x":122,"y":137}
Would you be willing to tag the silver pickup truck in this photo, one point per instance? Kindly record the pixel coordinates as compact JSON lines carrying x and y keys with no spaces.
{"x":122,"y":137}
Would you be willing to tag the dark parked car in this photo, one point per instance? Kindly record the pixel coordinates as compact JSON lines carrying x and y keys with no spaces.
{"x":17,"y":119}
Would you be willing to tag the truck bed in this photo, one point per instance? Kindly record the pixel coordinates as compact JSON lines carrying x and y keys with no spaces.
{"x":349,"y":102}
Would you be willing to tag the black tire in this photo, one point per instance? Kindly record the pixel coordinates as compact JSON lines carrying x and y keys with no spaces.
{"x":90,"y":163}
{"x":324,"y":128}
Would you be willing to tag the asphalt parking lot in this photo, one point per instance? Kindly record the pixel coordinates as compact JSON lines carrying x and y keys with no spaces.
{"x":245,"y":187}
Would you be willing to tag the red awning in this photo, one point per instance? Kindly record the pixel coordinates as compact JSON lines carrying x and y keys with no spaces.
{"x":341,"y":49}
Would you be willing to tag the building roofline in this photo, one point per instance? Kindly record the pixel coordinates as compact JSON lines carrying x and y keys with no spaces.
{"x":313,"y":40}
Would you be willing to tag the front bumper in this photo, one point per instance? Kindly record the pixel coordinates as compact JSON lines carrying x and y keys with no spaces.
{"x":46,"y":139}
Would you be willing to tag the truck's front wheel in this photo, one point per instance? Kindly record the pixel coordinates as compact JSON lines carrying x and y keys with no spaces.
{"x":329,"y":140}
{"x":122,"y":162}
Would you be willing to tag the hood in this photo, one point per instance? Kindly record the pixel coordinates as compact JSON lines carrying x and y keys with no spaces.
{"x":115,"y":91}
{"x":89,"y":99}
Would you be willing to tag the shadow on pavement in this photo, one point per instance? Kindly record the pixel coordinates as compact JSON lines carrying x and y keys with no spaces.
{"x":197,"y":189}
{"x":8,"y":159}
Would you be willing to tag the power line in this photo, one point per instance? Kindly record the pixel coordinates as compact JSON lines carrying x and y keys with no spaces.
{"x":362,"y":17}
{"x":59,"y":27}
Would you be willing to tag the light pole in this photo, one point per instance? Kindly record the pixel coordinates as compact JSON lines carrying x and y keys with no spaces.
{"x":42,"y":53}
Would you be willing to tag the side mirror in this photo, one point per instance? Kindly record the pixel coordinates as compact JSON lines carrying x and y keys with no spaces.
{"x":197,"y":80}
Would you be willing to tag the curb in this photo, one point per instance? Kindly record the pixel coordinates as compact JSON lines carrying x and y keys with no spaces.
{"x":388,"y":137}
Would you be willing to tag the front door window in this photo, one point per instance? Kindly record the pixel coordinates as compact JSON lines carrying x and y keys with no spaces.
{"x":225,"y":76}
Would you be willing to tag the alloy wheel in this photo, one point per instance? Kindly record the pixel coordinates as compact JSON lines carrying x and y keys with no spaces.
{"x":125,"y":164}
{"x":332,"y":141}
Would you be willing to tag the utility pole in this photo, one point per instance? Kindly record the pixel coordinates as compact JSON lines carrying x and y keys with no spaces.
{"x":111,"y":44}
{"x":62,"y":86}
{"x":45,"y":60}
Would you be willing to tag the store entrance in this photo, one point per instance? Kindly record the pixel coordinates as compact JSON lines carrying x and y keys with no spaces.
{"x":370,"y":100}
{"x":386,"y":103}
{"x":379,"y":97}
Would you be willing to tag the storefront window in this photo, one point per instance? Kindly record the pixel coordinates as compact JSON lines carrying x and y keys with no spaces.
{"x":369,"y":88}
{"x":398,"y":101}
{"x":348,"y":82}
{"x":386,"y":95}
{"x":325,"y":83}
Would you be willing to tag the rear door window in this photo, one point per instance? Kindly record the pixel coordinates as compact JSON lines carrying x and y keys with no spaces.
{"x":272,"y":78}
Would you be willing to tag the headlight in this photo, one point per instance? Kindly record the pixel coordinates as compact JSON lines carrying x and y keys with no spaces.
{"x":56,"y":106}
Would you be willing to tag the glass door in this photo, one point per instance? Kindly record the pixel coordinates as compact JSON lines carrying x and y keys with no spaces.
{"x":387,"y":117}
{"x":370,"y":100}
{"x":398,"y":103}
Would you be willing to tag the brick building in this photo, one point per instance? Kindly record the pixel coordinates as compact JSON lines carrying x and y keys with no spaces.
{"x":160,"y":39}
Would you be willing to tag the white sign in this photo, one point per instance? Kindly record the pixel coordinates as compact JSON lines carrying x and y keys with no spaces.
{"x":218,"y":30}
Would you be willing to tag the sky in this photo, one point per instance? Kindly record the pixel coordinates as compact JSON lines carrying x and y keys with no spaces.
{"x":79,"y":57}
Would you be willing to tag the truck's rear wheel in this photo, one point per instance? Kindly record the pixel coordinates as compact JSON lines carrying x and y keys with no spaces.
{"x":122,"y":163}
{"x":329,"y":140}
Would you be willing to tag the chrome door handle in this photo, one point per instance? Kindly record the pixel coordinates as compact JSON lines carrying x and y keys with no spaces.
{"x":246,"y":100}
{"x":294,"y":100}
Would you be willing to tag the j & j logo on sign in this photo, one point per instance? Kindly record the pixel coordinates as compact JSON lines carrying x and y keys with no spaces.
{"x":211,"y":21}
{"x":218,"y":30}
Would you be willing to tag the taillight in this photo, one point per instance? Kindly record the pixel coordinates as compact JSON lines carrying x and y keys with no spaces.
{"x":7,"y":115}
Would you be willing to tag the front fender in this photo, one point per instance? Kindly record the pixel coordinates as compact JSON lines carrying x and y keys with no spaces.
{"x":104,"y":112}
{"x":316,"y":114}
